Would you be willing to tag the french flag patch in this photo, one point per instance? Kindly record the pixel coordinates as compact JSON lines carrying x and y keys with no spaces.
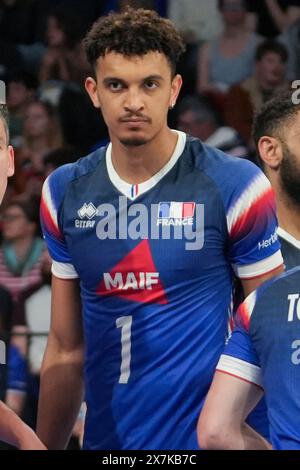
{"x":176,"y":210}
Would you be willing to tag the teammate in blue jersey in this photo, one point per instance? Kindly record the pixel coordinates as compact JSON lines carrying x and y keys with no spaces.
{"x":262,"y":356}
{"x":12,"y":429}
{"x":276,"y":135}
{"x":276,"y":129}
{"x":147,"y":235}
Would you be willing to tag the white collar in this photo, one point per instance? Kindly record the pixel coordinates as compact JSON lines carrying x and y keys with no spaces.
{"x":132,"y":191}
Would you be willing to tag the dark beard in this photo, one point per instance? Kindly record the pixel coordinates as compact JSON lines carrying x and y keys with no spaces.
{"x":135,"y":142}
{"x":290,"y":176}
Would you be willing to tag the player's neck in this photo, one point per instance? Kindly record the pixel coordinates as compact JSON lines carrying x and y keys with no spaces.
{"x":138,"y":164}
{"x":288,"y":217}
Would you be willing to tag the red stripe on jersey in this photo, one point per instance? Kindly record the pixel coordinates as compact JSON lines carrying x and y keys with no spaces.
{"x":254,"y":214}
{"x":48,"y":220}
{"x":244,"y":315}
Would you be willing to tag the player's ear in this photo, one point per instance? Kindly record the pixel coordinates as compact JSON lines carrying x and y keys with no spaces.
{"x":91,"y":88}
{"x":175,"y":89}
{"x":11,"y":161}
{"x":270,"y":151}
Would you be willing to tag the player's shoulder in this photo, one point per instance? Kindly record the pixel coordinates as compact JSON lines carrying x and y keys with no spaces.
{"x":284,"y":281}
{"x":58,"y":182}
{"x":72,"y":171}
{"x":275,"y":289}
{"x":230,"y":174}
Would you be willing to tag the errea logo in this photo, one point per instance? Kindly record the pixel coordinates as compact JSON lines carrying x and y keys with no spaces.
{"x":87,"y":211}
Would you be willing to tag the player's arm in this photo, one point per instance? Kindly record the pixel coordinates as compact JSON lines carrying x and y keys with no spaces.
{"x":254,"y":248}
{"x":250,"y":285}
{"x":222,"y":422}
{"x":15,"y":432}
{"x":61,"y":391}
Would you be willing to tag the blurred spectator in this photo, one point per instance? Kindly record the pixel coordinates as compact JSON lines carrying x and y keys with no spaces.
{"x":22,"y":248}
{"x":18,"y":35}
{"x":291,"y":39}
{"x":82,"y":125}
{"x":5,"y":326}
{"x":197,"y":117}
{"x":32,"y":318}
{"x":41,"y":134}
{"x":31,"y":323}
{"x":197,"y":20}
{"x":86,"y":10}
{"x":21,"y":89}
{"x":268,"y":79}
{"x":229,"y":58}
{"x":63,"y":33}
{"x":272,"y":17}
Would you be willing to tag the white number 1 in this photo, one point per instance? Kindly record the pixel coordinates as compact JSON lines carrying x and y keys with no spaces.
{"x":125,"y":323}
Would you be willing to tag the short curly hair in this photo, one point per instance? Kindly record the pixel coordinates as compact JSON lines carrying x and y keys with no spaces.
{"x":134,"y":33}
{"x":273,"y":117}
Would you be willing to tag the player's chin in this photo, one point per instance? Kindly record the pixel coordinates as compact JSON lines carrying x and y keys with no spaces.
{"x":134,"y":140}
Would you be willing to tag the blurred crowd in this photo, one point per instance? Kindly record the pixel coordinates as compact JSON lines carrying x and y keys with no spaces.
{"x":239,"y":54}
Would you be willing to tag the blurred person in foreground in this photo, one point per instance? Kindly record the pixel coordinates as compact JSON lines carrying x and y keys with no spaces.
{"x":12,"y":429}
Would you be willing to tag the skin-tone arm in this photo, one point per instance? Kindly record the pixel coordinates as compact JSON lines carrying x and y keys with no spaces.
{"x":61,"y":391}
{"x":221,"y":425}
{"x":249,"y":285}
{"x":281,"y":18}
{"x":15,"y":432}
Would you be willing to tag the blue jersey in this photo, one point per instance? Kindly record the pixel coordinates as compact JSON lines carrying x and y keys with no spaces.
{"x":156,"y":263}
{"x":265,"y":349}
{"x":290,"y":249}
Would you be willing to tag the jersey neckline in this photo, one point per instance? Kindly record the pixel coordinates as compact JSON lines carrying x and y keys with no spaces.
{"x":132,"y":191}
{"x":288,"y":237}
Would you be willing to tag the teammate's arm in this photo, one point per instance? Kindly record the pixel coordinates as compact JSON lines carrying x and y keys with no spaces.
{"x":250,"y":285}
{"x":15,"y":432}
{"x":222,"y":422}
{"x":61,"y":390}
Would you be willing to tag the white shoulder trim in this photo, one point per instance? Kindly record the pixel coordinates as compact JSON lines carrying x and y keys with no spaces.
{"x":288,"y":237}
{"x":240,"y":369}
{"x":17,"y":391}
{"x":64,"y":270}
{"x":260,"y":268}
